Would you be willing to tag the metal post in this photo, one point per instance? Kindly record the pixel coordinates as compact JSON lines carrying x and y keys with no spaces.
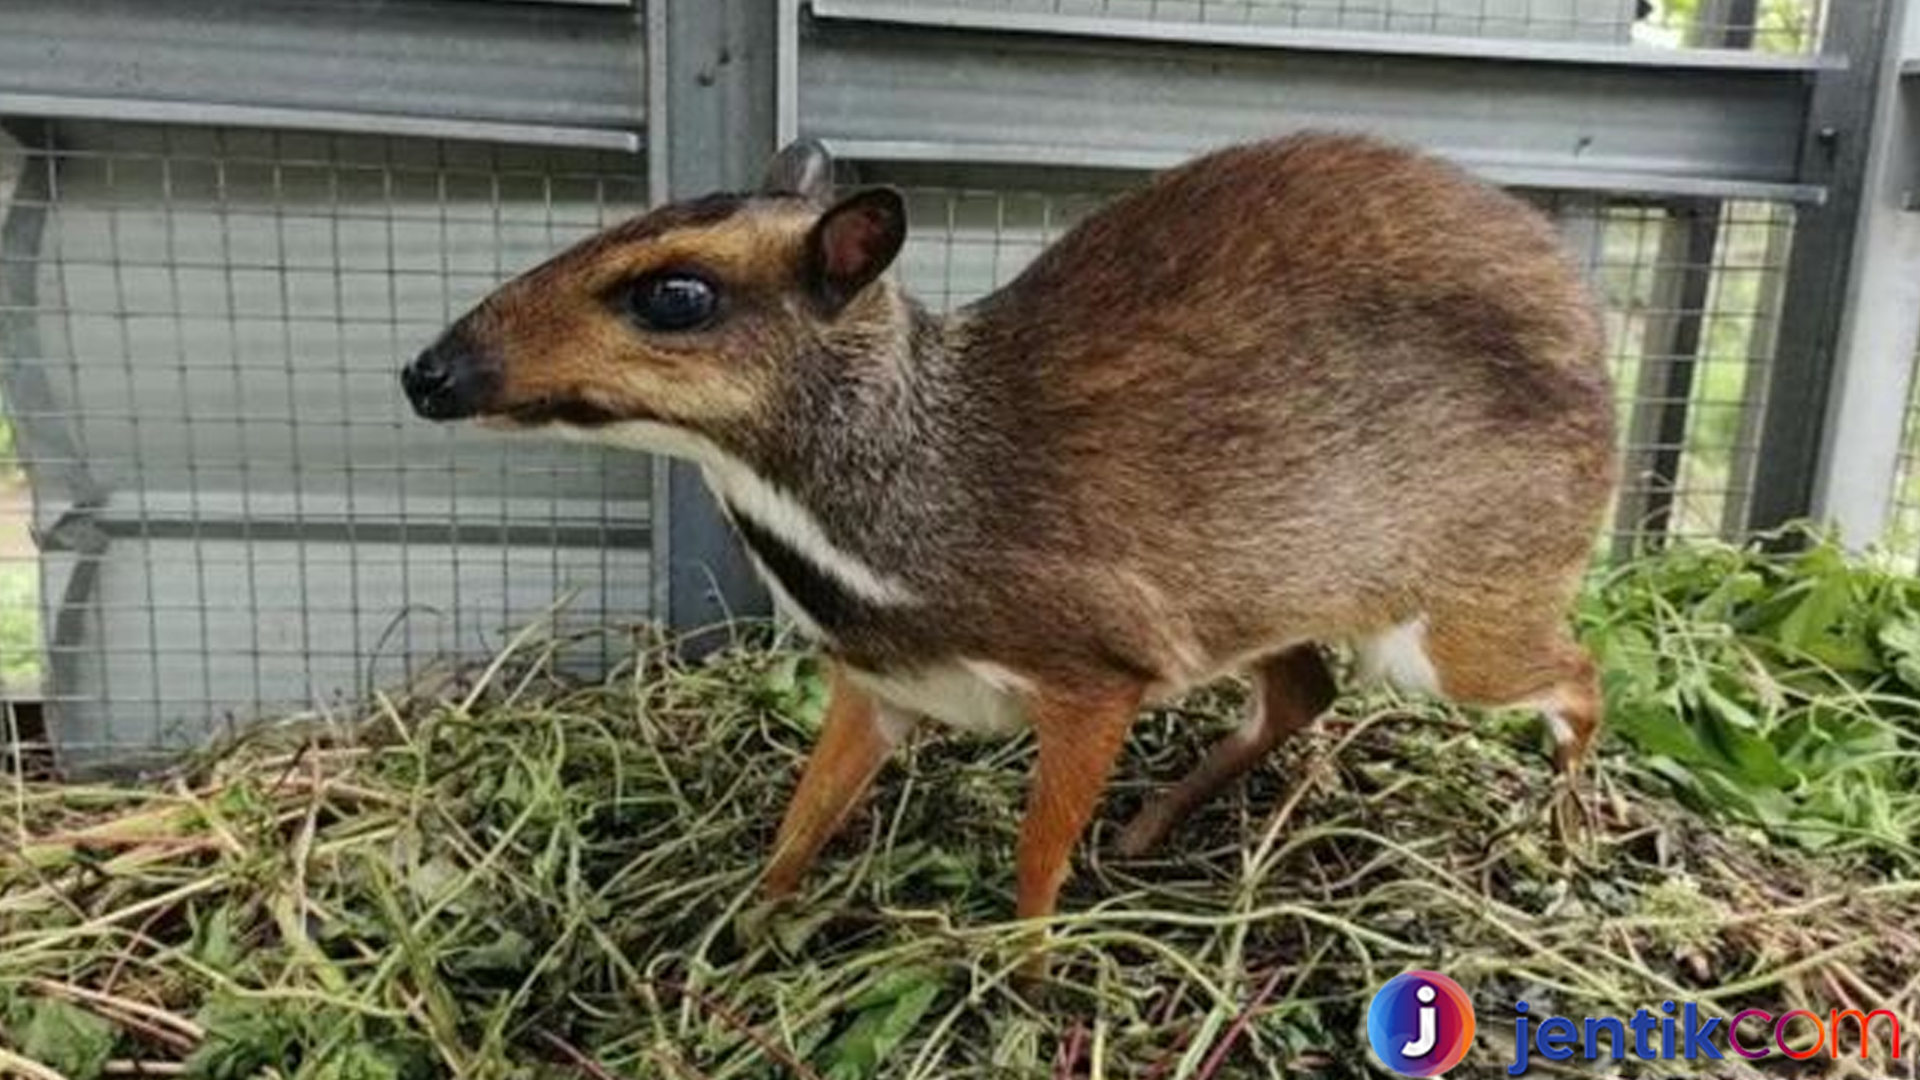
{"x":1763,"y":347}
{"x":1860,"y":465}
{"x":1835,"y":152}
{"x":1663,"y":395}
{"x":711,"y":124}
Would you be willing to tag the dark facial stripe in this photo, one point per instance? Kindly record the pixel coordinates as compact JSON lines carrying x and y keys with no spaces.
{"x":556,"y":411}
{"x":825,"y":600}
{"x":705,"y":210}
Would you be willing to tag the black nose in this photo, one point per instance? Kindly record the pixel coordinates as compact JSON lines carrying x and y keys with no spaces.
{"x":450,"y":380}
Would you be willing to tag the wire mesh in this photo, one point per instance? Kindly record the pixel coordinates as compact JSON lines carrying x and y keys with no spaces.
{"x":1784,"y":26}
{"x":1691,"y":293}
{"x":216,"y":504}
{"x":1903,"y":532}
{"x":1693,"y":297}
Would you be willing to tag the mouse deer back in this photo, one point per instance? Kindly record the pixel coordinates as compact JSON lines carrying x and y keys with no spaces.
{"x":1310,"y":392}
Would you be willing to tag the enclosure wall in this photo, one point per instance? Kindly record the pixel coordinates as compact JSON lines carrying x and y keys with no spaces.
{"x":220,"y":244}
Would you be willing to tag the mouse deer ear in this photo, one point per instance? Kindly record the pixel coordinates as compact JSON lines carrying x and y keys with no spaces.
{"x":852,"y":244}
{"x":802,"y":168}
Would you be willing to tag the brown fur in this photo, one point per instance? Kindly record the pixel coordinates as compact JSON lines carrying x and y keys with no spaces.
{"x":1294,"y":392}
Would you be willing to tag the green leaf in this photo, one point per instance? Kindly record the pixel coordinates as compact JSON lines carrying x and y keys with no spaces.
{"x":378,"y":1060}
{"x":512,"y":951}
{"x":1649,"y":719}
{"x":215,"y":942}
{"x":793,"y":687}
{"x":65,"y":1038}
{"x":888,"y":1013}
{"x":1727,"y":709}
{"x":1901,"y":639}
{"x":242,"y":1039}
{"x":1823,"y":607}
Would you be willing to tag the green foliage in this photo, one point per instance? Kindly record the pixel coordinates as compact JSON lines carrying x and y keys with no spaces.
{"x":554,"y":881}
{"x":1776,"y":689}
{"x":74,"y":1042}
{"x":253,"y":1038}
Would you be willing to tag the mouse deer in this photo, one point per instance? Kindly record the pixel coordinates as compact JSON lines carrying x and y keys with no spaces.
{"x":1314,"y":391}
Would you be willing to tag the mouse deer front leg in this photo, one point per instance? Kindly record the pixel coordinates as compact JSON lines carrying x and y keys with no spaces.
{"x":856,"y":739}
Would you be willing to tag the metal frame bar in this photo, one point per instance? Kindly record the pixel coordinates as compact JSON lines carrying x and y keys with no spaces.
{"x":891,"y":82}
{"x":1838,"y":147}
{"x":1542,"y":177}
{"x":714,"y":120}
{"x":134,"y":110}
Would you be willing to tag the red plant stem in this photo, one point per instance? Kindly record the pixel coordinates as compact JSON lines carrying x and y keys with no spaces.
{"x":1068,"y":1061}
{"x":576,"y":1057}
{"x":1219,"y":1056}
{"x":738,"y":1023}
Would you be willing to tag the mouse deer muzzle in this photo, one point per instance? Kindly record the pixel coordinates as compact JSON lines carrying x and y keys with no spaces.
{"x":451,"y":379}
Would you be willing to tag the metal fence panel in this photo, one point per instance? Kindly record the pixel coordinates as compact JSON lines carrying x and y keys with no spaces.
{"x":240,"y":513}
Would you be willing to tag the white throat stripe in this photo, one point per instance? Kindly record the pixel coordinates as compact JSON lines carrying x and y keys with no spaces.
{"x":747,"y":493}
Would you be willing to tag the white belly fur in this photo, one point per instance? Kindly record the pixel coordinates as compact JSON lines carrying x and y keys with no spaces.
{"x":968,"y":696}
{"x":985,"y":699}
{"x":1399,"y":657}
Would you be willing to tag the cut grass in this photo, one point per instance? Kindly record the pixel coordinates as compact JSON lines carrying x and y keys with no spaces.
{"x":515,"y":875}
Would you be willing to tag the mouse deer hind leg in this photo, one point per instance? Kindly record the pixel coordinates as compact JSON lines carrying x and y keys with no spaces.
{"x":1290,"y":690}
{"x":856,"y":738}
{"x":1079,"y":736}
{"x":1496,"y":661}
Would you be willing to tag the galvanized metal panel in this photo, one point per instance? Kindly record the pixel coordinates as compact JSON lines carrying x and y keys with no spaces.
{"x":547,"y":65}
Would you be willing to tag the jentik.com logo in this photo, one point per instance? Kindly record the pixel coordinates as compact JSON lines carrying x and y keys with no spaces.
{"x":1420,"y":1024}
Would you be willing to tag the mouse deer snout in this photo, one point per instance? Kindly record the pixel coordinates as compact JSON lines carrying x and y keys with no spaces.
{"x":451,"y":379}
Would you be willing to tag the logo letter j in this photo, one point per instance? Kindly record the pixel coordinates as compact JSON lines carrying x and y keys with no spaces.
{"x":1429,"y":1027}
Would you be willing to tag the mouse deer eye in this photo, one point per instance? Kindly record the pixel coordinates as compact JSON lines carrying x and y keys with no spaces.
{"x":674,"y":301}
